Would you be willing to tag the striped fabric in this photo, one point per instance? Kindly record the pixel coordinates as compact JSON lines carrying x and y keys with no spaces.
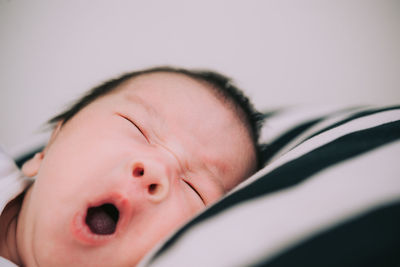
{"x":329,"y":195}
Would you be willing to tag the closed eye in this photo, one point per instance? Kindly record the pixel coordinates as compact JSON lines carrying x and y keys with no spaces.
{"x":194,"y":189}
{"x":134,"y":124}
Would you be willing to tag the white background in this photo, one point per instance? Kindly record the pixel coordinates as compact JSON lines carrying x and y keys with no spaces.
{"x":281,"y":52}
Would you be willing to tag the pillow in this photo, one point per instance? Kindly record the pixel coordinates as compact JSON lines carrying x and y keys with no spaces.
{"x":329,"y":195}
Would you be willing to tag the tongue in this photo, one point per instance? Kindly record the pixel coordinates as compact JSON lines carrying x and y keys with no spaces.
{"x":100,"y":222}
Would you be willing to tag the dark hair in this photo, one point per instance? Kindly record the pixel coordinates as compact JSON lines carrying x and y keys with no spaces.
{"x":220,"y":84}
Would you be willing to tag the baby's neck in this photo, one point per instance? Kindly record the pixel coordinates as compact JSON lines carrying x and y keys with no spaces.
{"x":8,"y":230}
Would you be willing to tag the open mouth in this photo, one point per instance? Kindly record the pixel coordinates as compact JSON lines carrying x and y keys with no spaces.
{"x":103,"y":219}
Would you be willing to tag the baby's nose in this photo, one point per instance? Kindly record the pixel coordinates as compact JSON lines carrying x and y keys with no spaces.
{"x":154,"y":178}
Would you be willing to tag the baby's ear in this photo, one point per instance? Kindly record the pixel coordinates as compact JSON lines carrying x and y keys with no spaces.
{"x":31,"y":167}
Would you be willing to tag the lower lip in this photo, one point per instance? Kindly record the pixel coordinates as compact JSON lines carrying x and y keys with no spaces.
{"x":82,"y":232}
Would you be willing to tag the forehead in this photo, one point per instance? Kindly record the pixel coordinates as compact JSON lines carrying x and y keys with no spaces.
{"x":177,"y":95}
{"x":171,"y":85}
{"x":186,"y":115}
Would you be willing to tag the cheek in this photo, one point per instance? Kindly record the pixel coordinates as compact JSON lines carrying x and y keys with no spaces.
{"x":53,"y":200}
{"x":76,"y":156}
{"x":169,"y":220}
{"x":188,"y":200}
{"x":180,"y":207}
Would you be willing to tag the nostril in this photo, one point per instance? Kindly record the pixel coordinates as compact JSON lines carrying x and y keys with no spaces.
{"x":138,"y":171}
{"x":157,"y":191}
{"x":153,"y":188}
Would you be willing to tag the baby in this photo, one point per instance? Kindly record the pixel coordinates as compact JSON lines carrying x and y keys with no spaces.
{"x":127,"y":165}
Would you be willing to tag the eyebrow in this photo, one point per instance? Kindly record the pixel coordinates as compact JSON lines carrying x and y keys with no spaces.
{"x":149,"y":109}
{"x":138,"y":100}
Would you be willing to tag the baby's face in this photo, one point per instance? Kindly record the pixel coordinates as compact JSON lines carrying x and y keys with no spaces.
{"x":129,"y":169}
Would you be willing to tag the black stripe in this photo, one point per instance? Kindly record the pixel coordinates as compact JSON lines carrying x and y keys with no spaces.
{"x":353,"y":117}
{"x":272,"y":148}
{"x":369,"y":240}
{"x":298,"y":170}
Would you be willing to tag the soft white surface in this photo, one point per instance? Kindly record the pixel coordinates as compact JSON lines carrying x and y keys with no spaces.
{"x":282,"y":52}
